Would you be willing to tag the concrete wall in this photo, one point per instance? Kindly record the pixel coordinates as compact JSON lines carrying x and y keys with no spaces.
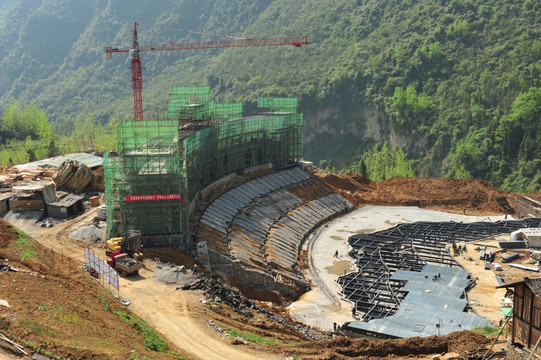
{"x":170,"y":240}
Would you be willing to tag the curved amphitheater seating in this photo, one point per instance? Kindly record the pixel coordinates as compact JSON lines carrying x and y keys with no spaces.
{"x":263,"y":222}
{"x":287,"y":234}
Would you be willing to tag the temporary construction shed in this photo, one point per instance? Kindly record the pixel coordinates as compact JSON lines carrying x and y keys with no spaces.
{"x":532,"y":236}
{"x":32,"y":195}
{"x":526,"y":313}
{"x":67,"y":205}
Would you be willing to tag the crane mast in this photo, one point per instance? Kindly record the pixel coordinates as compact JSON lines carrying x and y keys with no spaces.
{"x":136,"y":76}
{"x":136,"y":49}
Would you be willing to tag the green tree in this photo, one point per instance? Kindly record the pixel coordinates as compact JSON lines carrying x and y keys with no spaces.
{"x":384,"y":162}
{"x":20,"y":121}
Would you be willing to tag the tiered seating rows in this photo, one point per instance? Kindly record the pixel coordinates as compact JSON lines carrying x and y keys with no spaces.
{"x":285,"y":237}
{"x":219,"y":215}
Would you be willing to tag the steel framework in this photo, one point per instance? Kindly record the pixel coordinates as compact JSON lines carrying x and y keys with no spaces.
{"x":408,"y":247}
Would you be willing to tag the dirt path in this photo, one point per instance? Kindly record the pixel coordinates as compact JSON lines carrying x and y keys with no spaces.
{"x":180,"y":315}
{"x":57,"y":239}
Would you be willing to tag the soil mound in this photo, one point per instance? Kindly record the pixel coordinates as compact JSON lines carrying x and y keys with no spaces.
{"x":475,"y":197}
{"x":90,"y":234}
{"x":463,"y":342}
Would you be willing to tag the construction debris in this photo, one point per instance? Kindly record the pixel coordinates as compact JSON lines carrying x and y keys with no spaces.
{"x":10,"y":345}
{"x":7,"y":267}
{"x":529,"y":268}
{"x":177,"y":275}
{"x":217,"y":292}
{"x":90,"y":234}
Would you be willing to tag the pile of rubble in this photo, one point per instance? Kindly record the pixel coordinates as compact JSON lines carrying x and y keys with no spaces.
{"x":73,"y":175}
{"x":218,"y":292}
{"x":173,"y":274}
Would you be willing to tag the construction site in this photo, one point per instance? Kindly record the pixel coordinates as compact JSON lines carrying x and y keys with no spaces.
{"x":205,"y":194}
{"x":334,"y":265}
{"x":221,"y":205}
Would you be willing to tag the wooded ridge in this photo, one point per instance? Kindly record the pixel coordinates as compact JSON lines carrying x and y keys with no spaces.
{"x":391,"y":88}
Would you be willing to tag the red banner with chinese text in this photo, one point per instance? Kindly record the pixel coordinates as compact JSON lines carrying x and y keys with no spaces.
{"x":153,"y":197}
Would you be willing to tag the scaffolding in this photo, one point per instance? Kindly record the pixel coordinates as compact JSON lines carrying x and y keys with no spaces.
{"x":278,"y":105}
{"x":189,"y":103}
{"x":222,"y":149}
{"x":146,"y":183}
{"x":162,"y":163}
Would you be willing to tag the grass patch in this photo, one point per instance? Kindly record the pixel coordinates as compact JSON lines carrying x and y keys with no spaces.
{"x":70,"y":318}
{"x":153,"y":340}
{"x":44,"y":307}
{"x":252,"y":337}
{"x":487,"y":331}
{"x":35,"y":327}
{"x":24,"y":246}
{"x":104,"y":301}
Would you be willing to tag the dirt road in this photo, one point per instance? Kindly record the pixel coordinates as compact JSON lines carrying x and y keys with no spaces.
{"x":180,"y":315}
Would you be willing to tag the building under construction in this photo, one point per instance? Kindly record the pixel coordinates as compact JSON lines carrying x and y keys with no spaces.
{"x":208,"y":179}
{"x":161,"y":164}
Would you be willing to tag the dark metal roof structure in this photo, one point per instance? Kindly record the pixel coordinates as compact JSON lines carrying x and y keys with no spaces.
{"x":413,"y":247}
{"x":431,"y":306}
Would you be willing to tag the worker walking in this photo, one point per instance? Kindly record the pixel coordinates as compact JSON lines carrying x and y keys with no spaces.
{"x":335,"y":254}
{"x":194,"y":271}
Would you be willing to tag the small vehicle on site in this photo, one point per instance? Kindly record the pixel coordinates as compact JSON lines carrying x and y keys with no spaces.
{"x":124,"y":264}
{"x":126,"y":253}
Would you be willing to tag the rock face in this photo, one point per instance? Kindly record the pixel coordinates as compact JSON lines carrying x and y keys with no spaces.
{"x":73,"y":175}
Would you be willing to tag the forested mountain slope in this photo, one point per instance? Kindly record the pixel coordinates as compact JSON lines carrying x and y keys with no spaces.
{"x":455,"y":84}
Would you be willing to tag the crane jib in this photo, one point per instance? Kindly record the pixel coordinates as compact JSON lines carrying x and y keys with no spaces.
{"x":137,"y":75}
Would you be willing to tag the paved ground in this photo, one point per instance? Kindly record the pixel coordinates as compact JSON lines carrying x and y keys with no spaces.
{"x":322,"y":305}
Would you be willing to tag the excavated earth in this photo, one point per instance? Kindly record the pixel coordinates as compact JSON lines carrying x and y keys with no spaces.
{"x":476,"y":197}
{"x":57,"y":292}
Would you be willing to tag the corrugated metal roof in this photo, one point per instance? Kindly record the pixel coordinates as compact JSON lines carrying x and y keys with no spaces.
{"x":432,"y":307}
{"x":534,"y":285}
{"x":84,"y":158}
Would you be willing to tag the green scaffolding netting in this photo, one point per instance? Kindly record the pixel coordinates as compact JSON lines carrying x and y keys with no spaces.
{"x":222,"y":149}
{"x":148,"y":164}
{"x":278,"y":105}
{"x":225,"y":112}
{"x":189,"y":103}
{"x":150,"y":183}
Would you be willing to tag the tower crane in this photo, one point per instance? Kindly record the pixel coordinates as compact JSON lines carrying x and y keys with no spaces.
{"x":136,"y":49}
